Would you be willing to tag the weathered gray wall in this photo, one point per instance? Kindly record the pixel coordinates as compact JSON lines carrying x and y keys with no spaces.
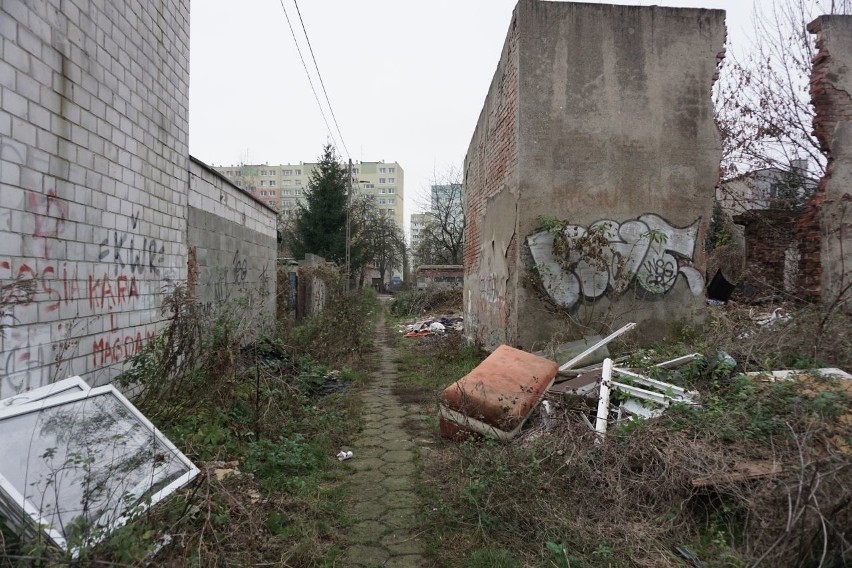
{"x":93,"y":166}
{"x":828,"y":261}
{"x":232,"y":241}
{"x":601,"y":116}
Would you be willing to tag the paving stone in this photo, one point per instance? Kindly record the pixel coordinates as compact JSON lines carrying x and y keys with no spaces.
{"x":361,"y":555}
{"x":367,"y":477}
{"x":400,"y":445}
{"x":367,"y":532}
{"x":408,"y":561}
{"x":400,"y":500}
{"x":402,"y":541}
{"x":398,"y":469}
{"x":398,"y":456}
{"x":367,"y":510}
{"x":383,"y":502}
{"x":405,"y":518}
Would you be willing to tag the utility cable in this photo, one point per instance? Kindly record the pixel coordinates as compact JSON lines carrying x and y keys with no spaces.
{"x":305,"y":66}
{"x":322,"y":83}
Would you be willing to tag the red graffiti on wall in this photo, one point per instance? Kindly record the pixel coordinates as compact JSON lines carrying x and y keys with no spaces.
{"x":112,"y":348}
{"x":51,"y":213}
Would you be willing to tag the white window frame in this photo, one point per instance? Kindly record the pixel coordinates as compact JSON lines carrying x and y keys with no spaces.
{"x":111,"y":519}
{"x":65,"y":386}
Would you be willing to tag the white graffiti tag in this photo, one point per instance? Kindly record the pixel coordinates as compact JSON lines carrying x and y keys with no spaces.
{"x":647,"y":250}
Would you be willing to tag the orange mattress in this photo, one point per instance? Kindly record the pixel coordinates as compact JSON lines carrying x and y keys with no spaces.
{"x":497,"y":397}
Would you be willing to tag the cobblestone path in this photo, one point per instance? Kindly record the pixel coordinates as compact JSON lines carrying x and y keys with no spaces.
{"x":383,"y":501}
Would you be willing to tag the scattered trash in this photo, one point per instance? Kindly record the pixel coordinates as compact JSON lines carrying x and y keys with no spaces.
{"x":433,"y":326}
{"x":437,"y":327}
{"x":689,"y":556}
{"x":714,"y":303}
{"x":223,"y":470}
{"x":546,"y":415}
{"x":602,"y":420}
{"x":571,"y":349}
{"x":771,"y":318}
{"x":576,"y":360}
{"x":83,"y":459}
{"x":789,"y":375}
{"x":680,"y":361}
{"x":496,"y":398}
{"x":344,"y":455}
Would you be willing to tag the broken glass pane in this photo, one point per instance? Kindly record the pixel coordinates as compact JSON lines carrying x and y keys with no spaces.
{"x":80,"y":464}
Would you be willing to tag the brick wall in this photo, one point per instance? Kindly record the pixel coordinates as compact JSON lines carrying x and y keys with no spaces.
{"x":491,"y":167}
{"x":93,"y":143}
{"x":232,"y":240}
{"x":825,"y":228}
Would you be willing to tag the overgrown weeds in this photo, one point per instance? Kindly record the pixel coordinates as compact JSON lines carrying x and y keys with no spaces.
{"x":557,"y":499}
{"x":252,"y":410}
{"x":420,"y":302}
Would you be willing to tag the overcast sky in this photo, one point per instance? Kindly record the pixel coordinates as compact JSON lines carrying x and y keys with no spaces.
{"x":406,"y":80}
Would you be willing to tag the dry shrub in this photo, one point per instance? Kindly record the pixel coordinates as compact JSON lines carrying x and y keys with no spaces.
{"x":629,"y":501}
{"x":813,"y":336}
{"x":427,"y":301}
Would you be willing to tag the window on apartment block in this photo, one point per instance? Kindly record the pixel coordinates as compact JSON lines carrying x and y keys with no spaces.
{"x":297,"y":182}
{"x":382,"y":180}
{"x":271,"y":183}
{"x":382,"y":202}
{"x":391,"y":180}
{"x":391,"y":190}
{"x":263,"y":193}
{"x":297,"y":172}
{"x":297,"y":191}
{"x":285,"y":182}
{"x":383,"y":170}
{"x":286,"y":172}
{"x":391,"y":170}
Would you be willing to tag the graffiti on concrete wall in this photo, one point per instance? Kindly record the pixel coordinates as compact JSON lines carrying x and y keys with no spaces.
{"x":646,"y":252}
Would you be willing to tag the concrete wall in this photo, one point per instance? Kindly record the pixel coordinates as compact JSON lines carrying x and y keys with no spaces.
{"x":826,"y":225}
{"x":600,"y":116}
{"x":93,"y":143}
{"x":232,"y":240}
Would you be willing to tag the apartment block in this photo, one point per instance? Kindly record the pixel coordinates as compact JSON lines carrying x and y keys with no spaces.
{"x":285,"y":186}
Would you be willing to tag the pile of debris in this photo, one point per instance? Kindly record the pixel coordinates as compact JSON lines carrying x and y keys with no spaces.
{"x":433,"y":326}
{"x":79,"y":462}
{"x":498,"y":396}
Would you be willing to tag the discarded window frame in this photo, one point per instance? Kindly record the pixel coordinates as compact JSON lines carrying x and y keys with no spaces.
{"x":65,"y":386}
{"x":79,"y":465}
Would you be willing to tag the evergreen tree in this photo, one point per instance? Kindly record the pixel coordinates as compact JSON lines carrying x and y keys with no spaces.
{"x":320,"y":226}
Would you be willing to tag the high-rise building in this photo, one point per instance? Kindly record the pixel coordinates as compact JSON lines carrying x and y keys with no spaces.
{"x":418,"y":224}
{"x":284,"y":186}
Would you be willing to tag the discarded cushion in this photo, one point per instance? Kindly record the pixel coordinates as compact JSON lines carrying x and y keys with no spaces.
{"x":497,"y":397}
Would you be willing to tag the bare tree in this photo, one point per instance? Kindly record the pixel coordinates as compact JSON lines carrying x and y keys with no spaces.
{"x":376,"y":241}
{"x":762,"y":100}
{"x":441,"y":236}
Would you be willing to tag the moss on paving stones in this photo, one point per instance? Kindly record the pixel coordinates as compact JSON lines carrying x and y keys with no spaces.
{"x":383,"y":505}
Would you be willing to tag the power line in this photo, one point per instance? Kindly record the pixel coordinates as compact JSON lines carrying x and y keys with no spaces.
{"x":322,"y":83}
{"x":305,"y":66}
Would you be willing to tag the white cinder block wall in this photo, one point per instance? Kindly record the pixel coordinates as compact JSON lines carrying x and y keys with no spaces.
{"x":93,"y":177}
